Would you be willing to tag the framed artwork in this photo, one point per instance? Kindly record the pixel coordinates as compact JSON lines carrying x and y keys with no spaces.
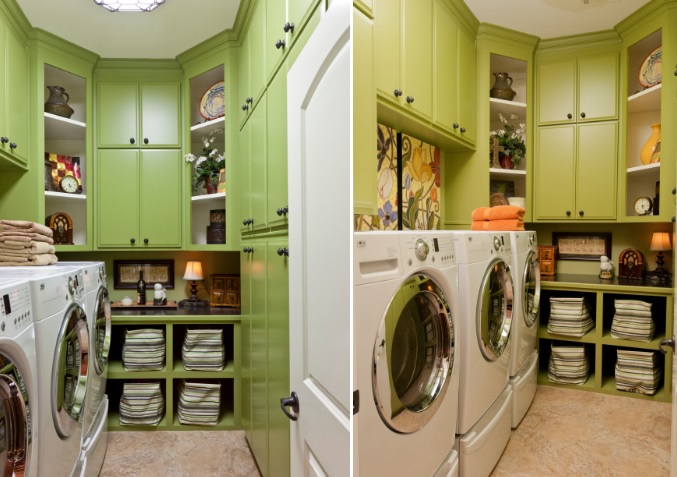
{"x":126,"y":273}
{"x":582,"y":245}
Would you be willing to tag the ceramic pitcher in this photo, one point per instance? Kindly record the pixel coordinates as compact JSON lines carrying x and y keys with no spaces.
{"x":57,"y":103}
{"x":502,"y":87}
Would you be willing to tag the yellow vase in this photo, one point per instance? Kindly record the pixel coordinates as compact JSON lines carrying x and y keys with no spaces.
{"x":650,"y":145}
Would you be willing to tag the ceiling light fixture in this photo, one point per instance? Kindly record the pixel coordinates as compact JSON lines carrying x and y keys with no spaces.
{"x":129,"y":5}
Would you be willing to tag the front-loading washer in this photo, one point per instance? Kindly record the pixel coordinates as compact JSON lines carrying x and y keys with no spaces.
{"x":405,"y":351}
{"x":486,"y":306}
{"x":62,"y":352}
{"x":524,"y":355}
{"x":95,"y":414}
{"x":19,"y":410}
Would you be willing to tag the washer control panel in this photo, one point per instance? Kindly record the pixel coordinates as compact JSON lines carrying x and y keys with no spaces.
{"x":15,"y":309}
{"x":435,"y":250}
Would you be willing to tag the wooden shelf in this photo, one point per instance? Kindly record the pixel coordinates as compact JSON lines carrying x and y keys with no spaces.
{"x":645,"y":170}
{"x":647,"y":100}
{"x":214,"y":127}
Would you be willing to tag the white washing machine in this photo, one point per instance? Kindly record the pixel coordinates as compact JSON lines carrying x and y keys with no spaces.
{"x":486,"y":305}
{"x":95,"y":415}
{"x":406,"y":352}
{"x":62,"y":349}
{"x":19,"y":410}
{"x":524,"y":356}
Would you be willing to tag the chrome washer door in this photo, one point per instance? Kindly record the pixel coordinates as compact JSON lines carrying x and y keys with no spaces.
{"x":15,"y":428}
{"x":532,"y":289}
{"x":102,"y":331}
{"x":413,"y":355}
{"x":69,"y":371}
{"x":494,"y":310}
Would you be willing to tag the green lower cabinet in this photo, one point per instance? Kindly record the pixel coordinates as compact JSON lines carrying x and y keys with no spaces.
{"x":575,"y":170}
{"x":136,"y":191}
{"x":265,"y":304}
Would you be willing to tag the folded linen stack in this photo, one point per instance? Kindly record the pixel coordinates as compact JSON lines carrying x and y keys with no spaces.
{"x":632,"y":321}
{"x":141,"y":404}
{"x":500,"y":217}
{"x":568,"y":364}
{"x":569,"y":316}
{"x":203,"y":350}
{"x":144,"y":350}
{"x":638,"y":371}
{"x":199,"y":403}
{"x":26,"y":243}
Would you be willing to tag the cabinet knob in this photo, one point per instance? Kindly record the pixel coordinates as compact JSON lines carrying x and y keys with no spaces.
{"x":248,"y":250}
{"x":245,"y":222}
{"x":410,"y":99}
{"x":674,"y":190}
{"x":245,"y":107}
{"x":132,"y":140}
{"x":145,"y":241}
{"x":397,"y":93}
{"x":455,"y":126}
{"x":462,"y":130}
{"x":288,"y":27}
{"x":132,"y":240}
{"x":4,"y":140}
{"x":249,"y":100}
{"x":283,"y":210}
{"x":280,"y":44}
{"x":12,"y":145}
{"x":568,"y":212}
{"x":583,"y":115}
{"x":280,"y":251}
{"x":580,"y":212}
{"x":279,"y":211}
{"x":675,"y":70}
{"x":569,"y":116}
{"x":674,"y":219}
{"x":145,"y":140}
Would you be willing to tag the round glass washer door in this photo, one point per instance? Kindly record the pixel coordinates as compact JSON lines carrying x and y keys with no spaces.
{"x":102,"y":331}
{"x":532,"y":289}
{"x":494,"y":310}
{"x":15,"y":422}
{"x":413,"y":355}
{"x":69,"y":371}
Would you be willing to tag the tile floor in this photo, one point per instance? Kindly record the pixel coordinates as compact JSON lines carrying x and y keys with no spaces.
{"x":565,"y":433}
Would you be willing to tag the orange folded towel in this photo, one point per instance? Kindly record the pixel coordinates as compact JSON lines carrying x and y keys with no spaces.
{"x":506,"y":224}
{"x":499,"y":212}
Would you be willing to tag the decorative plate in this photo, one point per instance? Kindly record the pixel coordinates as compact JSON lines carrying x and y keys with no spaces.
{"x":212,"y":102}
{"x":651,"y":70}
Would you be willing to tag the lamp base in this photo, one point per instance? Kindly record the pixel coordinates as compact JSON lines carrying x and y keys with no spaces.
{"x":188,"y":303}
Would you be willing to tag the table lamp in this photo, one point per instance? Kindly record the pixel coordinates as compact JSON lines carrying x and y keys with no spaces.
{"x":660,"y":241}
{"x":193,"y":273}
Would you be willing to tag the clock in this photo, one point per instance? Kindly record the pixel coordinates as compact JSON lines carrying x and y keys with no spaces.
{"x":643,"y":205}
{"x":68,"y":184}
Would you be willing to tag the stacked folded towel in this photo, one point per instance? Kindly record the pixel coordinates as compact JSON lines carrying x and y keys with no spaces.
{"x":500,"y":217}
{"x":26,"y":243}
{"x":638,"y":371}
{"x":632,"y":321}
{"x":199,"y":403}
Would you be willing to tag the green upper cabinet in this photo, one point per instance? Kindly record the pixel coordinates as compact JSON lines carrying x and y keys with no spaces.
{"x":135,"y":189}
{"x":576,"y":172}
{"x":276,"y":36}
{"x":252,"y":167}
{"x":14,"y":74}
{"x":298,"y":11}
{"x":581,"y":89}
{"x":133,"y":114}
{"x":276,"y":139}
{"x":454,"y":92}
{"x":403,"y":54}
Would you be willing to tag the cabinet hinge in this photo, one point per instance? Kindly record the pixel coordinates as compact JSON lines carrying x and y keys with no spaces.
{"x":356,"y":402}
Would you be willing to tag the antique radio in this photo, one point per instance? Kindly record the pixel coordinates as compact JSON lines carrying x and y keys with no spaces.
{"x":216,"y":230}
{"x":546,"y":259}
{"x":62,"y":226}
{"x":224,"y":290}
{"x":631,"y":264}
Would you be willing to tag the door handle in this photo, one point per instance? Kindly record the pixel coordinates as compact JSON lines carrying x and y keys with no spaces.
{"x":293,"y":402}
{"x":666,"y":342}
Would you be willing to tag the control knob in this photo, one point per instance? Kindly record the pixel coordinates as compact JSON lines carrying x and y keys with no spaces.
{"x":421,"y":249}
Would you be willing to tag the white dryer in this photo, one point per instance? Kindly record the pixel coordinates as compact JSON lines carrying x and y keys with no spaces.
{"x":95,"y":414}
{"x":487,"y":296}
{"x":405,"y":348}
{"x":62,"y":344}
{"x":19,"y":410}
{"x":524,"y":355}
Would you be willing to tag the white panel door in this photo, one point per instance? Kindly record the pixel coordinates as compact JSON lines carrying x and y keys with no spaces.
{"x":319,"y":247}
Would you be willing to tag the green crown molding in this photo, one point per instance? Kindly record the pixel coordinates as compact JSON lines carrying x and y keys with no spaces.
{"x":465,"y":17}
{"x":13,"y":12}
{"x":220,"y":41}
{"x":646,"y":12}
{"x":133,"y":69}
{"x":488,"y":31}
{"x":575,"y":43}
{"x":49,"y":41}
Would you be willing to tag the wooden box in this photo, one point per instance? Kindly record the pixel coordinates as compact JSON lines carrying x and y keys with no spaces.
{"x":546,"y":259}
{"x":224,"y":290}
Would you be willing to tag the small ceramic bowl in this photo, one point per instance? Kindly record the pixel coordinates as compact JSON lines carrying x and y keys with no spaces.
{"x":126,"y":301}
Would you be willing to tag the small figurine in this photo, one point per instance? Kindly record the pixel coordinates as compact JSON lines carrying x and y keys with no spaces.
{"x":606,"y":267}
{"x":159,"y":295}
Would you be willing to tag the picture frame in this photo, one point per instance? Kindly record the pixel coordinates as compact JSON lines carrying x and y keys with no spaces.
{"x":582,"y":245}
{"x":126,"y":273}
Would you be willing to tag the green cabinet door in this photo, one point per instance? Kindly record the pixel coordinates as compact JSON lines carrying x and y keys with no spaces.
{"x":257,"y":49}
{"x":117,"y":189}
{"x":467,"y":87}
{"x":257,"y":165}
{"x":556,"y":90}
{"x":275,"y":20}
{"x":278,"y":357}
{"x":387,"y":37}
{"x":596,"y":171}
{"x":17,"y":98}
{"x":160,"y":200}
{"x":445,"y":67}
{"x":116,"y":114}
{"x":160,"y":115}
{"x":555,"y":168}
{"x":243,"y":89}
{"x":243,"y":177}
{"x":276,"y":139}
{"x":297,"y":10}
{"x":418,"y":59}
{"x":246,"y":259}
{"x":598,"y":88}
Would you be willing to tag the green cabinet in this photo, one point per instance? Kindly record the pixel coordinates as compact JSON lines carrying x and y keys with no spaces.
{"x":576,"y":172}
{"x":135,"y":191}
{"x":139,"y":114}
{"x":252,"y":176}
{"x":14,"y":73}
{"x":578,"y":89}
{"x":252,"y":60}
{"x":276,"y":142}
